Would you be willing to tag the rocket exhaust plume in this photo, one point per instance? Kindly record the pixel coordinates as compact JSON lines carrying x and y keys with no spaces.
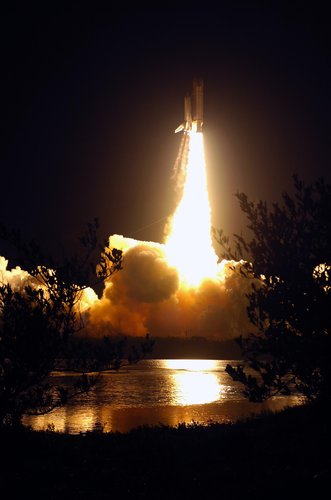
{"x":188,"y":243}
{"x":176,"y":288}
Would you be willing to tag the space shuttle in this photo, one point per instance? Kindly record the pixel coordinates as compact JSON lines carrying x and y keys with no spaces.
{"x":193,"y":110}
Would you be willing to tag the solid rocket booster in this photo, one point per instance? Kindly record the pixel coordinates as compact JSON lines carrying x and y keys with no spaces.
{"x":198,"y":105}
{"x":193,"y":109}
{"x":187,"y":112}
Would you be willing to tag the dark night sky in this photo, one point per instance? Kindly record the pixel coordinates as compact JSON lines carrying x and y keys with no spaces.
{"x":91,"y":97}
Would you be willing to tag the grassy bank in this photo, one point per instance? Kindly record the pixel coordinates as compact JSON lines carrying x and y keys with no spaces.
{"x":273,"y":456}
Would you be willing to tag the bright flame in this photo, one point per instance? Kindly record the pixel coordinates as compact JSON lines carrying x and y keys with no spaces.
{"x":189,"y":246}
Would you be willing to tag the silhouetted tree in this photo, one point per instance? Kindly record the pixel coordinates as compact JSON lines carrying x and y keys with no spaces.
{"x":38,"y":319}
{"x":290,"y":304}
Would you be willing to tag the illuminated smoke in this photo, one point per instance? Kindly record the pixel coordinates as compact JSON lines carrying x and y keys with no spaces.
{"x":176,"y":288}
{"x":147,"y":296}
{"x":18,"y":279}
{"x":171,"y":289}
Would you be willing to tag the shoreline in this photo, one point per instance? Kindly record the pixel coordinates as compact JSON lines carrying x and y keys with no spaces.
{"x":282,"y":455}
{"x":127,"y":419}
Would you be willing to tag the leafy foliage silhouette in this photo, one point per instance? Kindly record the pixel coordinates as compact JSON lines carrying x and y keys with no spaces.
{"x":38,"y":320}
{"x":289,"y":256}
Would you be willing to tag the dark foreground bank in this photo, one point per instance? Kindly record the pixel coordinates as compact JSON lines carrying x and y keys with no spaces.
{"x":285,"y":456}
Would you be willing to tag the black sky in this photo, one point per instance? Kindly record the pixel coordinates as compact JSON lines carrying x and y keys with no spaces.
{"x":91,"y":97}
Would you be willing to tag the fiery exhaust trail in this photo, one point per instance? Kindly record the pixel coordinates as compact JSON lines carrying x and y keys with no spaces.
{"x":188,"y":244}
{"x":176,"y":288}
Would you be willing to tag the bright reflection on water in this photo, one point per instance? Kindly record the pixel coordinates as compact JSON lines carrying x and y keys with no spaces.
{"x":192,"y":385}
{"x":190,"y":364}
{"x":153,"y":392}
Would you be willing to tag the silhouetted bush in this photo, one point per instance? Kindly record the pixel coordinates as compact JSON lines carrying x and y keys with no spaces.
{"x":38,"y":318}
{"x":289,"y":253}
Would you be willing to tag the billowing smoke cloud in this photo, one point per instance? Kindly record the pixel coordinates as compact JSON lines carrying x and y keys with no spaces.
{"x":147,"y":296}
{"x":150,"y":295}
{"x":18,"y":279}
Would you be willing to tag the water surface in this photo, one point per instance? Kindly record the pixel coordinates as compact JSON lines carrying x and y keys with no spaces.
{"x":155,"y":392}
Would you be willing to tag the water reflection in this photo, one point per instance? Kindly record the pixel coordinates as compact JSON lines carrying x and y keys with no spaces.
{"x":70,"y":419}
{"x":192,"y":385}
{"x":195,"y":388}
{"x":191,"y":364}
{"x":154,"y":392}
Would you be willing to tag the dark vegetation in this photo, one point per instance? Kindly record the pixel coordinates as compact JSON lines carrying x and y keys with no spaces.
{"x":38,"y":320}
{"x":281,"y":456}
{"x":88,"y":354}
{"x":195,"y":348}
{"x":286,"y":455}
{"x":164,"y":347}
{"x":289,"y":257}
